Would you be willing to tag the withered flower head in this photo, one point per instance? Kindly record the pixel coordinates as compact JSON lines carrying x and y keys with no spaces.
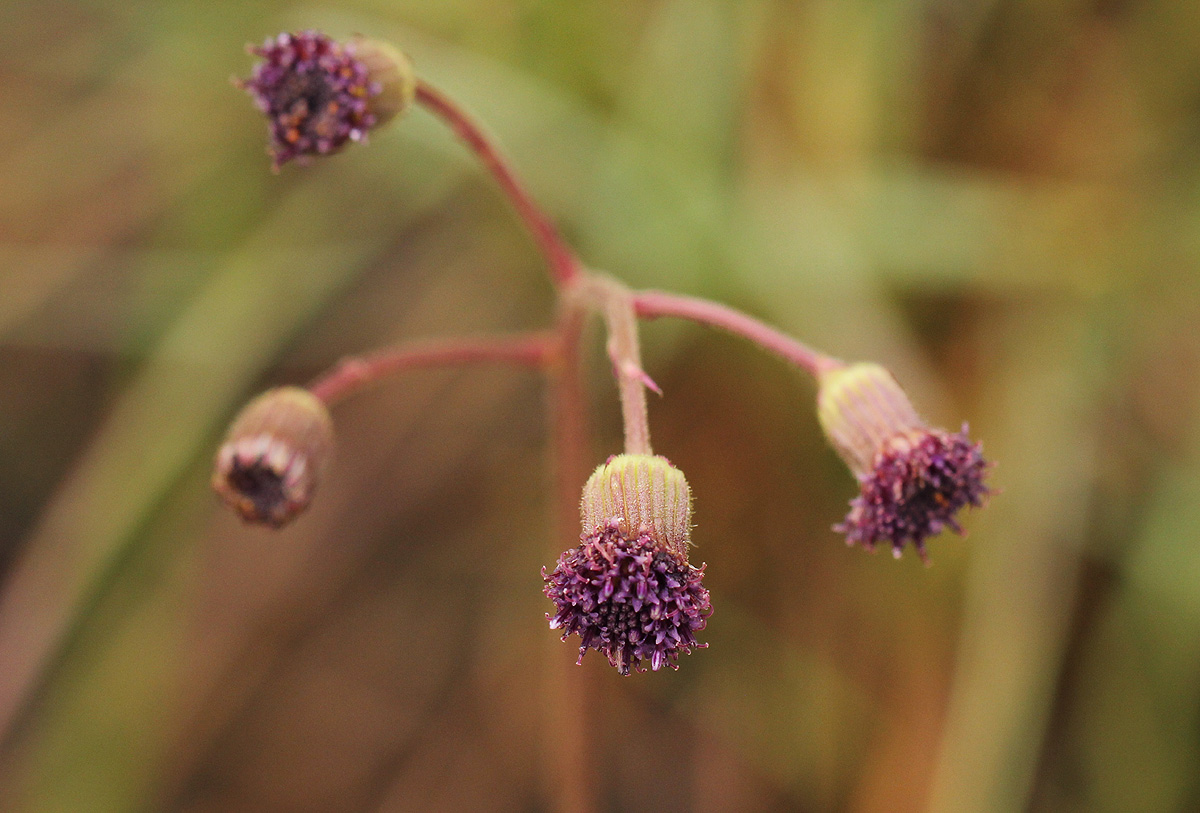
{"x":318,"y":94}
{"x":627,"y":590}
{"x":913,"y":479}
{"x":269,"y":465}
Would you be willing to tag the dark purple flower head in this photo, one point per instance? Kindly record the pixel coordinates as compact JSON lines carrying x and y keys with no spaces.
{"x":315,"y":92}
{"x":628,"y":590}
{"x":630,"y":599}
{"x":919,"y":482}
{"x":913,"y":479}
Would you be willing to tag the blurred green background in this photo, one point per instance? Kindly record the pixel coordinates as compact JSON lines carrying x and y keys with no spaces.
{"x":998,"y":199}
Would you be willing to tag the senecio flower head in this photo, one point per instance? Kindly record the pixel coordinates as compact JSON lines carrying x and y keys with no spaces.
{"x":627,"y":590}
{"x":273,"y":455}
{"x":319,"y":94}
{"x":913,"y":479}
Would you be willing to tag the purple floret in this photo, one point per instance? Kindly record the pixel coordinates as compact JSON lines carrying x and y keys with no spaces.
{"x":313,"y":92}
{"x":916,"y":487}
{"x":629,"y":599}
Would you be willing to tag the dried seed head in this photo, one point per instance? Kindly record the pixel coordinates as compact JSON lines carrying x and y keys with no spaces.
{"x":913,"y":479}
{"x":269,"y":465}
{"x":643,"y":494}
{"x":318,"y":94}
{"x":627,"y":590}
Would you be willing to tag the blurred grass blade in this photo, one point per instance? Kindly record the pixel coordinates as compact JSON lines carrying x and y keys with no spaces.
{"x":172,"y":406}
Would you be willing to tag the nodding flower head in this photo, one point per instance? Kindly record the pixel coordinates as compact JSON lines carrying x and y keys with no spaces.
{"x":627,"y":590}
{"x":269,"y":465}
{"x":913,"y":479}
{"x":318,"y":94}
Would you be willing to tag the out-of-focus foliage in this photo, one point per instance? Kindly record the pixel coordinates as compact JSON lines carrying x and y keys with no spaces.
{"x":999,"y":200}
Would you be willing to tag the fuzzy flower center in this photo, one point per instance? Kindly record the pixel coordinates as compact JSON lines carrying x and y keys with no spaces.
{"x":258,"y":483}
{"x":263,"y":479}
{"x":629,"y":599}
{"x":314,"y":93}
{"x":918,"y":484}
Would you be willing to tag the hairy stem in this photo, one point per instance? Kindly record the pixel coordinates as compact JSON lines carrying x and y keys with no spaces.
{"x":355,"y":373}
{"x":653,"y":304}
{"x":564,"y":266}
{"x":615,"y":303}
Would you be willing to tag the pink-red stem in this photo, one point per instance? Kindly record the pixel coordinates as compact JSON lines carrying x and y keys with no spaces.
{"x":653,"y":304}
{"x":564,"y":266}
{"x":355,"y":373}
{"x":569,"y":714}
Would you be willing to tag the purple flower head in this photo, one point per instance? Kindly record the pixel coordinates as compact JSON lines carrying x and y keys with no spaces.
{"x":628,"y":590}
{"x":919,"y":482}
{"x":913,"y":479}
{"x":630,"y":599}
{"x":315,"y":93}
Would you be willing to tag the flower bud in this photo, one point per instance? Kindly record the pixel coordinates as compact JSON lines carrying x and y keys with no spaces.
{"x":628,"y":590}
{"x":642,"y":494}
{"x":392,"y":71}
{"x":318,"y":94}
{"x":861,"y":407}
{"x":913,"y":479}
{"x":269,"y":465}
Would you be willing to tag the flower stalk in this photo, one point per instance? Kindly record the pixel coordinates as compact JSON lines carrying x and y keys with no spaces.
{"x":353,"y":374}
{"x":655,"y":304}
{"x":615,"y":304}
{"x":564,"y":266}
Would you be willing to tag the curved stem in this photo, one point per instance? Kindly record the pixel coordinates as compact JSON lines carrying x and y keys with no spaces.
{"x":653,"y":304}
{"x":564,"y":266}
{"x":354,"y":373}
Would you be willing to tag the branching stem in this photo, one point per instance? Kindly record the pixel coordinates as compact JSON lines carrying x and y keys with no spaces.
{"x":653,"y":304}
{"x":355,"y":373}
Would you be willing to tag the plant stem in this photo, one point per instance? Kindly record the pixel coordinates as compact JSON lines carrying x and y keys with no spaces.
{"x":353,"y":374}
{"x":564,"y":266}
{"x":615,"y":303}
{"x":653,"y":304}
{"x":566,"y":764}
